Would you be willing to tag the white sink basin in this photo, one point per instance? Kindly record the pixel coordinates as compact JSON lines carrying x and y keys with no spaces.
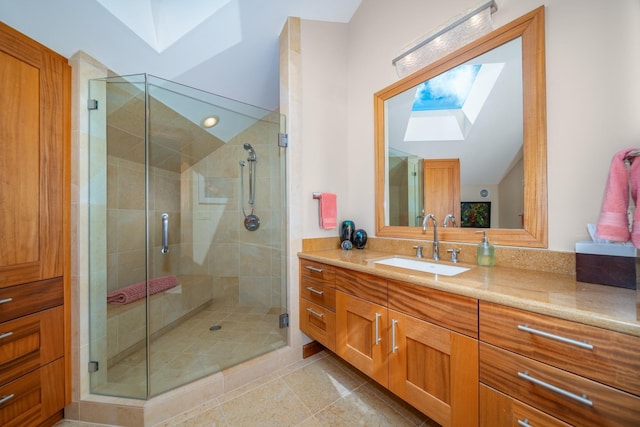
{"x":424,"y":266}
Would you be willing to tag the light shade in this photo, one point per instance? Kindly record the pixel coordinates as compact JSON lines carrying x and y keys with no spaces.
{"x":449,"y":37}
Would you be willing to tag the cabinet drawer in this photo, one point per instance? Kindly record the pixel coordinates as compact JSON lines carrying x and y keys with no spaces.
{"x":20,"y":300}
{"x":451,"y":311}
{"x":319,"y":294}
{"x":568,"y":397}
{"x":362,"y":285}
{"x":320,"y":273}
{"x":34,"y":397}
{"x":500,"y":410}
{"x":29,"y":342}
{"x":319,"y":323}
{"x":613,"y":360}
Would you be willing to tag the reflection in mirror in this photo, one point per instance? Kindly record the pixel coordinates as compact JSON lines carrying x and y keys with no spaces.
{"x":466,"y":136}
{"x":471,"y":113}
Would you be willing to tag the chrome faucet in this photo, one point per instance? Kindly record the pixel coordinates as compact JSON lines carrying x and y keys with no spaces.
{"x":436,"y":253}
{"x":450,"y":217}
{"x":418,"y":251}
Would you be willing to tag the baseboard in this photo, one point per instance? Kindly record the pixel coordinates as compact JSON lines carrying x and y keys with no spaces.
{"x":311,"y":348}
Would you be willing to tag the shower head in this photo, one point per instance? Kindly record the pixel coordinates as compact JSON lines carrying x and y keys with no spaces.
{"x":252,"y":153}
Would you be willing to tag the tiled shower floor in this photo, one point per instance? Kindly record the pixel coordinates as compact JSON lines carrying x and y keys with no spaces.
{"x":192,"y":350}
{"x":319,"y":391}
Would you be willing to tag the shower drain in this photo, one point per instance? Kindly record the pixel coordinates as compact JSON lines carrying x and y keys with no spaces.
{"x":215,"y":328}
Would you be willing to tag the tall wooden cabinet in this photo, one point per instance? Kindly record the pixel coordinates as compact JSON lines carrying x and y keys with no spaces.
{"x":35,"y":105}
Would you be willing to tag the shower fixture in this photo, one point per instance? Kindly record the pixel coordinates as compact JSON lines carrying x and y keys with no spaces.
{"x":251,"y":221}
{"x":252,"y":153}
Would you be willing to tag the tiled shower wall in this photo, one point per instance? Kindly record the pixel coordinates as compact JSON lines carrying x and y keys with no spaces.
{"x":245,"y":265}
{"x":207,"y":240}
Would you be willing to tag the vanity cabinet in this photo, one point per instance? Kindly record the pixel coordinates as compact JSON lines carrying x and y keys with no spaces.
{"x":498,"y":409}
{"x":431,"y":365}
{"x":361,"y":323}
{"x":399,"y":335}
{"x":318,"y":302}
{"x":575,"y":373}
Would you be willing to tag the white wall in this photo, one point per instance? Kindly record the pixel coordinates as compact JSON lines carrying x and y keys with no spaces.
{"x":593,"y":100}
{"x":324,"y":147}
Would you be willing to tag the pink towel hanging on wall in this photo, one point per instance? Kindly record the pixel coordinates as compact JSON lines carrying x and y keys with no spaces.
{"x":328,"y":210}
{"x":623,"y":184}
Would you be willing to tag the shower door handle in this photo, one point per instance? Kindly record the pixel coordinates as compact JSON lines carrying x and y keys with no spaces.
{"x":165,"y":233}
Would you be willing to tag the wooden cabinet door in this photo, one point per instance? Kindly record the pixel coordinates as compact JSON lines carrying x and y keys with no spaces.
{"x":361,"y":335}
{"x":34,"y":133}
{"x":434,"y":369}
{"x":500,"y":410}
{"x":442,"y":188}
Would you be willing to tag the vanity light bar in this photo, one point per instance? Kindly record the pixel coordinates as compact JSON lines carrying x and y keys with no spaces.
{"x":490,"y":4}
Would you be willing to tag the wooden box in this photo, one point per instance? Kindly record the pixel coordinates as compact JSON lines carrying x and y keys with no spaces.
{"x":607,"y":264}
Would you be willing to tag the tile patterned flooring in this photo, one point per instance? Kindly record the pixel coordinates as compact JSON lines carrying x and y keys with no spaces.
{"x":319,"y":391}
{"x":192,"y":350}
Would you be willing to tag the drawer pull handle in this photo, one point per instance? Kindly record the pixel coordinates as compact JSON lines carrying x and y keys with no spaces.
{"x":582,"y":344}
{"x":315,"y":269}
{"x":378,"y":339}
{"x":6,"y":334}
{"x":315,"y":291}
{"x":5,"y":398}
{"x":394,"y":347}
{"x":524,"y":423}
{"x":315,"y":313}
{"x":3,"y":301}
{"x":581,"y":399}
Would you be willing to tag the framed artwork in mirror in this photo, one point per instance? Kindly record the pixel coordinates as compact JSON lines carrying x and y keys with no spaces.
{"x":475,"y":214}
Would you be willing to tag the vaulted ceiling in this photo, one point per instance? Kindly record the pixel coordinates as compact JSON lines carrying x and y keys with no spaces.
{"x":227,"y":47}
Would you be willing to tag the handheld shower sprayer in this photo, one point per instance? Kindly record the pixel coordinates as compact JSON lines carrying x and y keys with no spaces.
{"x":252,"y":153}
{"x":251,"y":221}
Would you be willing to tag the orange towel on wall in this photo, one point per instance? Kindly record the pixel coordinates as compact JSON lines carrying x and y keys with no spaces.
{"x":328,"y":211}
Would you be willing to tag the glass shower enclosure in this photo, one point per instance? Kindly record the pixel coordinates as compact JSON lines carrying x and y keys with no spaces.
{"x":186,"y":234}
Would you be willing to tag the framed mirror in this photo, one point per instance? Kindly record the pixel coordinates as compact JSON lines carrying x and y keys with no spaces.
{"x":477,"y":152}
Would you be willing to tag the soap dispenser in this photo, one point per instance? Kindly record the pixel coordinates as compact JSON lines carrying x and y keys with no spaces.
{"x":486,"y":251}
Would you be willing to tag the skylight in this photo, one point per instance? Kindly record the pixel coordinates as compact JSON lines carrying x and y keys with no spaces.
{"x":446,"y":106}
{"x":160,"y":23}
{"x":448,"y":91}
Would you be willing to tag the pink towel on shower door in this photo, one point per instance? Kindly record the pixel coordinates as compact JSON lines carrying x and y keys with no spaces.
{"x":613,"y":223}
{"x":328,"y":211}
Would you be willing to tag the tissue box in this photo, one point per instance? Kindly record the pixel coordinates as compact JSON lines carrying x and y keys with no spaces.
{"x":611,"y":264}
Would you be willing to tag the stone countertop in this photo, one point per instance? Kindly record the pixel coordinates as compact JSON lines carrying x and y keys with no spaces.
{"x":557,"y":295}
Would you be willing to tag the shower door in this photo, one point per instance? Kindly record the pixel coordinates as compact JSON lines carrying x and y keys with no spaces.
{"x":194,"y":216}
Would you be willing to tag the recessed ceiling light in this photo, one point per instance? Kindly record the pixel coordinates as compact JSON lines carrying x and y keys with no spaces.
{"x":210,"y":121}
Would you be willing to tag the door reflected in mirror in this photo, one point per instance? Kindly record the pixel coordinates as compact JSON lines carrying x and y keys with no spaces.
{"x":468,"y":130}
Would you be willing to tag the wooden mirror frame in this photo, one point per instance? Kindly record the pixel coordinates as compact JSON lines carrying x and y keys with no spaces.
{"x":534,"y":232}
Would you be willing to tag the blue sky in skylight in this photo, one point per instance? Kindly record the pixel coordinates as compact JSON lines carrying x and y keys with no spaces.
{"x":448,"y":91}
